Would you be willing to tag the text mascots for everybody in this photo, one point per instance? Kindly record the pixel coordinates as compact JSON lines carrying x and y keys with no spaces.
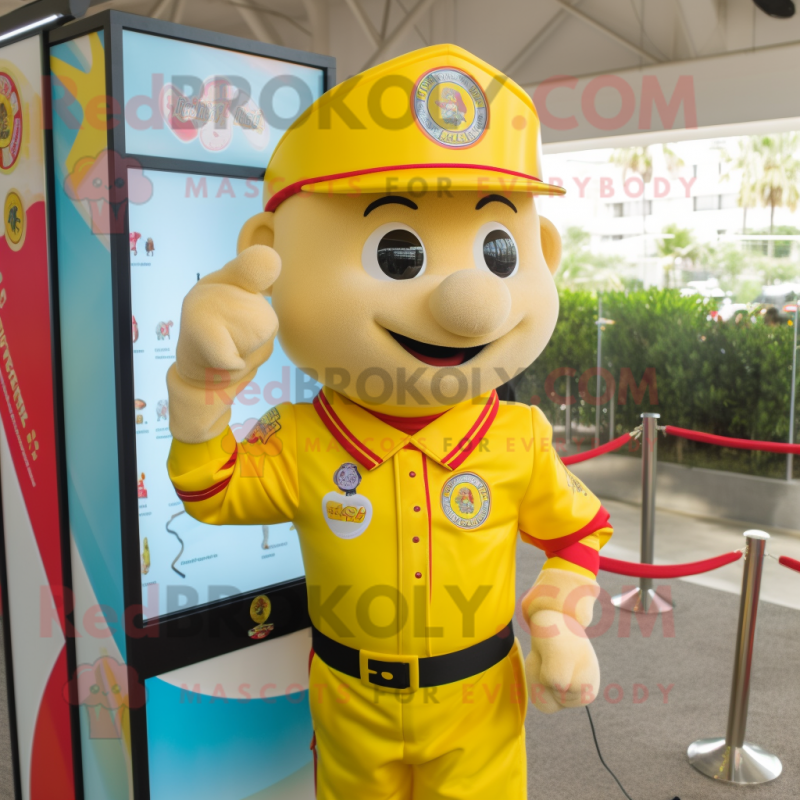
{"x":410,"y":273}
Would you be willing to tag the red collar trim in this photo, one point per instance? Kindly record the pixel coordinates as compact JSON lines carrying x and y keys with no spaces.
{"x":297,"y":186}
{"x":343,"y":435}
{"x":407,"y":425}
{"x":369,"y":460}
{"x":464,"y":448}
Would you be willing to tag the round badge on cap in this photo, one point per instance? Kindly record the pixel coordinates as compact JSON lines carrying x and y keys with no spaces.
{"x":450,"y":107}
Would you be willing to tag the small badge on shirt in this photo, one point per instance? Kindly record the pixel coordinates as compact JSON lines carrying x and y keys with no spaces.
{"x":348,"y":515}
{"x":466,"y":500}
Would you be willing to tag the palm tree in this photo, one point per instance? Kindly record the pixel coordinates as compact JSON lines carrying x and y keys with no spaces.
{"x":640,"y":161}
{"x":679,"y":247}
{"x":780,"y":172}
{"x":748,"y":160}
{"x":582,"y":269}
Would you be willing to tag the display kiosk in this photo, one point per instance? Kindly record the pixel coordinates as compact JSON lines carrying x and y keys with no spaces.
{"x":175,"y":662}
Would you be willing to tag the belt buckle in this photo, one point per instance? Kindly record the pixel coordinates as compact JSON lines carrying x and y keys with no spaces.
{"x":391,"y":673}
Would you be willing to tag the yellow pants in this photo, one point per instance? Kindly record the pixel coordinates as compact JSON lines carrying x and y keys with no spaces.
{"x":460,"y":741}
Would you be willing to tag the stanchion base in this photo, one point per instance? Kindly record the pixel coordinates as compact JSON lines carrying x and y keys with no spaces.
{"x":638,"y":603}
{"x":743,"y":765}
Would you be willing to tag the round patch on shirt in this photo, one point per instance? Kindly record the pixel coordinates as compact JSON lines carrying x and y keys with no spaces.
{"x":450,"y":107}
{"x":466,"y":500}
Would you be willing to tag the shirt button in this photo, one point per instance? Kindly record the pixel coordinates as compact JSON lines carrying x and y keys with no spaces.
{"x":415,"y":540}
{"x":417,"y":508}
{"x":412,"y":474}
{"x":418,"y":575}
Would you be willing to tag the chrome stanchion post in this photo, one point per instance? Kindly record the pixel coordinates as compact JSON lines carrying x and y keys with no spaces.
{"x":732,"y":759}
{"x":599,"y":366}
{"x":611,"y":422}
{"x":568,"y":415}
{"x":644,"y":599}
{"x":790,"y":456}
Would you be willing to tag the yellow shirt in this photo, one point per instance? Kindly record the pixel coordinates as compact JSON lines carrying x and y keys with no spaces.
{"x":408,"y":541}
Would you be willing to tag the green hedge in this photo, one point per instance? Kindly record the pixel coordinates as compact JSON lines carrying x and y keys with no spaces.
{"x":729,"y":378}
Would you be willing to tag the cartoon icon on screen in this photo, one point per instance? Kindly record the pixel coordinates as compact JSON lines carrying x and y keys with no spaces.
{"x":108,"y":204}
{"x":149,"y":246}
{"x":139,"y":405}
{"x":265,"y":531}
{"x":135,"y":330}
{"x":163,"y":329}
{"x":140,"y":488}
{"x":162,"y":410}
{"x":145,"y":557}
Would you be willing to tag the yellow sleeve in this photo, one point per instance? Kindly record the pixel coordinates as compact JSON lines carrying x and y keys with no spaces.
{"x":222,"y":482}
{"x":559,"y":514}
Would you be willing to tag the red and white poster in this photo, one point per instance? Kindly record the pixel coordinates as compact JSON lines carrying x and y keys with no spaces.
{"x":28,"y":467}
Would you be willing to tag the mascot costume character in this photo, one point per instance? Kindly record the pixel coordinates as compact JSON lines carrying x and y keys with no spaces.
{"x":412,"y":275}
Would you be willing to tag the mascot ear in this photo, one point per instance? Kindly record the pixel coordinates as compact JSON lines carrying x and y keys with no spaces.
{"x":551,"y":244}
{"x":259,"y":229}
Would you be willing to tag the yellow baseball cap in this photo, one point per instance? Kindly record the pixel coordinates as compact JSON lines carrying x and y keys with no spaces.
{"x":437,"y":119}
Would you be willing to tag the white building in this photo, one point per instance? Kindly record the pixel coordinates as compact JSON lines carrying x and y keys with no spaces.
{"x":697,"y":196}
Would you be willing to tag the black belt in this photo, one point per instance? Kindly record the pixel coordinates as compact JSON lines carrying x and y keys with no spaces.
{"x":409,"y":673}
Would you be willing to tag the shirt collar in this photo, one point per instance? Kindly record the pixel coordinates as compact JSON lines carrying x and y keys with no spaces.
{"x":449,"y":440}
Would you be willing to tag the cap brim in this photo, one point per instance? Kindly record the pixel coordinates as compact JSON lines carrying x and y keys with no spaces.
{"x":427,"y":179}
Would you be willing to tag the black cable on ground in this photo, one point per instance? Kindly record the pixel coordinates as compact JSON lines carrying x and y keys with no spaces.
{"x":600,"y":755}
{"x":602,"y":760}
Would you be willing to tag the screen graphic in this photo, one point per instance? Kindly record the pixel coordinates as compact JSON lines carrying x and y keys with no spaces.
{"x":177,"y":107}
{"x":185,"y":229}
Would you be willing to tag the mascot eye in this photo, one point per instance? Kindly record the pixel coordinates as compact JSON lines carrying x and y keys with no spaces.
{"x":394,"y":252}
{"x":496,"y":250}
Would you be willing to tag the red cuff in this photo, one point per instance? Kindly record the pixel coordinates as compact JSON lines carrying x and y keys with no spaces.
{"x":598,"y":522}
{"x":579,"y":554}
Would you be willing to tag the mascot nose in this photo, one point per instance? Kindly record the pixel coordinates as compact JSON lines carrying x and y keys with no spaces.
{"x":471,"y":303}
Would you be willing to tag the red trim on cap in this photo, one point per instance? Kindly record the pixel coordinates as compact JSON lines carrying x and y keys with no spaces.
{"x":297,"y":186}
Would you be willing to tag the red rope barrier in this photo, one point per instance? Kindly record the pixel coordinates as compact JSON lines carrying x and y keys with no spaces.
{"x":792,"y":563}
{"x":609,"y":447}
{"x":739,"y":444}
{"x":635,"y":570}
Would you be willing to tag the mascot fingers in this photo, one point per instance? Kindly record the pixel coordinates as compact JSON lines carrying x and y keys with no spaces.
{"x":226,"y":330}
{"x":562,"y":668}
{"x":255,"y":270}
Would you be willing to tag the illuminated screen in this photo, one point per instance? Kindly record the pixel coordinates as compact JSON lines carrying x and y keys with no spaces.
{"x":181,"y":228}
{"x":194,"y":102}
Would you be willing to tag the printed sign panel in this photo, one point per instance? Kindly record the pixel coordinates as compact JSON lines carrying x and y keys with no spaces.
{"x":28,"y":436}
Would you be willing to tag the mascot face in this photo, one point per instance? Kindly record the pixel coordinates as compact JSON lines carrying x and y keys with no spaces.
{"x":412,"y":302}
